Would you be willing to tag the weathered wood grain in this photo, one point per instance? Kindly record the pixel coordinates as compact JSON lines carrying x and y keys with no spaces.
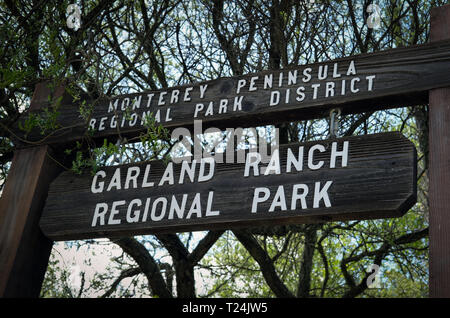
{"x":379,"y":181}
{"x":439,"y":170}
{"x":24,"y":250}
{"x":403,"y":77}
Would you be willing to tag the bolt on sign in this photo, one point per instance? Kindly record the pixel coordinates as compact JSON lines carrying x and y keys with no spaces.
{"x":396,"y":77}
{"x":350,"y":178}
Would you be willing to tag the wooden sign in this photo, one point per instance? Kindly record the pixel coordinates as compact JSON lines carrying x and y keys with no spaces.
{"x":350,"y":178}
{"x":397,"y":77}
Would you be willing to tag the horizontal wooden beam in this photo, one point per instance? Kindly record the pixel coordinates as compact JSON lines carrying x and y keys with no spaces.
{"x":366,"y":82}
{"x":374,"y":177}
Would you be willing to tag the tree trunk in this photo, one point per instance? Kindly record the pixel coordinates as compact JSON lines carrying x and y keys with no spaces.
{"x":304,"y":281}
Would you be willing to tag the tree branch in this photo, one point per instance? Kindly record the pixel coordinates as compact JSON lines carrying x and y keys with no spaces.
{"x":146,"y":263}
{"x":174,"y":246}
{"x":379,"y":255}
{"x":265,"y":263}
{"x":184,"y":270}
{"x":203,"y":246}
{"x":304,"y":281}
{"x":130,"y":272}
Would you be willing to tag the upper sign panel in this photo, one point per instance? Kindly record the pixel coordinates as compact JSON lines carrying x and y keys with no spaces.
{"x":396,"y":77}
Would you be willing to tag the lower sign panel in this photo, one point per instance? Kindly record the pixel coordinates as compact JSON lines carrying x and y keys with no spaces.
{"x":353,"y":178}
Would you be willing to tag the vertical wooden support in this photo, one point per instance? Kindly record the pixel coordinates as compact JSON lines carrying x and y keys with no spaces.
{"x":439,"y":170}
{"x":24,"y":250}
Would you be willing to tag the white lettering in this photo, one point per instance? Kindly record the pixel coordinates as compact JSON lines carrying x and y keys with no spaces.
{"x":258,"y":199}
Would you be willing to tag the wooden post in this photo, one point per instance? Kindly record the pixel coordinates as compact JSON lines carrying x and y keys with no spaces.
{"x":24,"y":250}
{"x":439,"y":170}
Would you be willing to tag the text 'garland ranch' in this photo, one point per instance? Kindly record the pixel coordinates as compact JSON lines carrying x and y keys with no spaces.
{"x":281,"y":88}
{"x":349,"y":178}
{"x":182,"y":206}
